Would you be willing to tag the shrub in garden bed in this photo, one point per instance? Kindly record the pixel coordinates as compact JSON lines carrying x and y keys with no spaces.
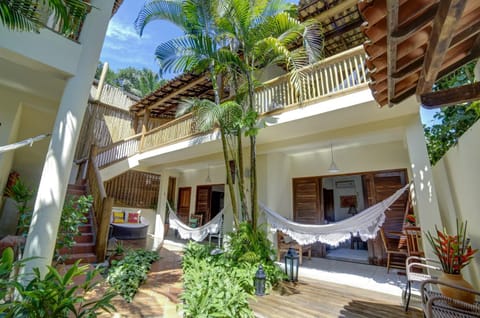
{"x":220,"y":285}
{"x":126,"y":275}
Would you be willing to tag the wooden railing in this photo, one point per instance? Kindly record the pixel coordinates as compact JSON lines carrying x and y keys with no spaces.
{"x":173,"y":131}
{"x":335,"y":75}
{"x":48,"y":18}
{"x":102,"y":207}
{"x":134,"y":189}
{"x":118,"y":151}
{"x":330,"y":76}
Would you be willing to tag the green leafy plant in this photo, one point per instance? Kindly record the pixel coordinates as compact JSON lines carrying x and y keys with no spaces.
{"x":126,"y":275}
{"x":213,"y":291}
{"x":74,"y":214}
{"x":21,"y":194}
{"x":54,"y":295}
{"x":454,"y":251}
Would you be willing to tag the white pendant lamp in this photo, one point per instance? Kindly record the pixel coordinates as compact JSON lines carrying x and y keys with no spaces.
{"x":333,"y":166}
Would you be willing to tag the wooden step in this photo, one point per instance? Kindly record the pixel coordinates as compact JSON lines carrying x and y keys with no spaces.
{"x":84,"y":257}
{"x":84,"y":238}
{"x":79,"y":248}
{"x":87,"y":228}
{"x":76,"y":187}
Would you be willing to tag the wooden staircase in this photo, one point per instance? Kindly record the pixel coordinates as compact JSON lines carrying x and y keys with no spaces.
{"x":84,"y":248}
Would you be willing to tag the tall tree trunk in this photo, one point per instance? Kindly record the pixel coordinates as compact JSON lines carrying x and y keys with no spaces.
{"x":253,"y":157}
{"x":231,"y":189}
{"x":241,"y":177}
{"x":215,"y":85}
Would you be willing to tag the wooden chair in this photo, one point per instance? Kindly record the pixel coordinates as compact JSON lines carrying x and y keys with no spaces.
{"x":391,"y":248}
{"x":413,"y":235}
{"x":284,"y":242}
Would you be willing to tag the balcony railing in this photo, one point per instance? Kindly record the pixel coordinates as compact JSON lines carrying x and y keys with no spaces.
{"x":335,"y":75}
{"x":50,"y":21}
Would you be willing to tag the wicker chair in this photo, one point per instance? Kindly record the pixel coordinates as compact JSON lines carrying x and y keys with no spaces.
{"x":439,"y":306}
{"x":416,"y":268}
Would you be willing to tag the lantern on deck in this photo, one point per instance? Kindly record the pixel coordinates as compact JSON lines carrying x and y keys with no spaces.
{"x":291,"y":265}
{"x":260,"y":279}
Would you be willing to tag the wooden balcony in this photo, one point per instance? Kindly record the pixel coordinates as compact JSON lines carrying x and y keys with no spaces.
{"x":333,"y":76}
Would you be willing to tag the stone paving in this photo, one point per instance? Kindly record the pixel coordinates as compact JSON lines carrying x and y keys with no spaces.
{"x":159,"y":295}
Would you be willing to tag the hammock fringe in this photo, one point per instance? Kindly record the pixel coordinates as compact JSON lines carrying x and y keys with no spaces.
{"x":198,"y":233}
{"x":365,"y":224}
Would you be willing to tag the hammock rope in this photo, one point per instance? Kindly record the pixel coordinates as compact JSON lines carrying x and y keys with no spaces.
{"x":366,"y":224}
{"x":194,"y":233}
{"x":23,"y":143}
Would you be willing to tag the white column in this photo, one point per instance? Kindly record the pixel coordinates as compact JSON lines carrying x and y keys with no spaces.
{"x":53,"y":184}
{"x":424,"y":195}
{"x":161,"y":208}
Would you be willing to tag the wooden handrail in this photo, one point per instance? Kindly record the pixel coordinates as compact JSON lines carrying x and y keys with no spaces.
{"x":102,"y":206}
{"x":333,"y":75}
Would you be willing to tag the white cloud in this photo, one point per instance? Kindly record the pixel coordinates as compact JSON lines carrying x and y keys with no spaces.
{"x":120,"y":31}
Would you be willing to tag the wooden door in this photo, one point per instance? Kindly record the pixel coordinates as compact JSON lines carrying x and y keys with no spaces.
{"x":378,"y":186}
{"x":307,"y":206}
{"x":203,"y":202}
{"x":183,"y":206}
{"x":172,"y":184}
{"x":306,"y":201}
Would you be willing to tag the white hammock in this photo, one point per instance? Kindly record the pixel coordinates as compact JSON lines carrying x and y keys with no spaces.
{"x":198,"y":233}
{"x":366,"y":224}
{"x":23,"y":143}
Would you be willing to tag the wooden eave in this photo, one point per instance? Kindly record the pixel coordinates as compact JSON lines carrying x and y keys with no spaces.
{"x":340,"y":20}
{"x":163,"y":102}
{"x":412,"y":43}
{"x":342,"y":26}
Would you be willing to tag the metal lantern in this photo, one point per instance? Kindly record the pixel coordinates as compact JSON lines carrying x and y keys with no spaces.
{"x":291,"y":265}
{"x":260,"y":279}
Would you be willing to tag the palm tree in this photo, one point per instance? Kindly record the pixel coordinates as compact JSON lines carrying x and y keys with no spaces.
{"x":265,"y":33}
{"x":215,"y":34}
{"x":26,"y":15}
{"x":148,"y":81}
{"x":201,"y":48}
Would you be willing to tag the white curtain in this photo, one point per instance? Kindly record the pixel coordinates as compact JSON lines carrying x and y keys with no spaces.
{"x":366,"y":224}
{"x":198,"y":233}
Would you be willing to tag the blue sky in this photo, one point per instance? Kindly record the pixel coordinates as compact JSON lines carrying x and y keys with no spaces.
{"x":123,"y":47}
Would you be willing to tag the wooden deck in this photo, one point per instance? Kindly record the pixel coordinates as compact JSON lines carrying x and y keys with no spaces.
{"x":322,"y":299}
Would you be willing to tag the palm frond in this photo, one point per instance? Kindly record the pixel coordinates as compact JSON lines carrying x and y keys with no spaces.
{"x":168,"y":10}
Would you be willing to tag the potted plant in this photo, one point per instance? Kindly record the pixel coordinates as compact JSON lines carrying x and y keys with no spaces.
{"x":118,"y":253}
{"x":454,"y":253}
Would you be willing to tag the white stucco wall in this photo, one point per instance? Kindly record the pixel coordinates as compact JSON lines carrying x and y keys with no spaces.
{"x":24,"y":116}
{"x":457,"y":181}
{"x":276,"y":170}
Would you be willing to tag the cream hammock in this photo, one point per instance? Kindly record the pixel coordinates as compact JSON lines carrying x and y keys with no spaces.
{"x":366,"y":224}
{"x":198,"y":233}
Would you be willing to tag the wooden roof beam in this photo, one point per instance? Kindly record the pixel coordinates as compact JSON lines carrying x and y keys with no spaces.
{"x":174,"y":93}
{"x":451,"y":96}
{"x":444,"y":24}
{"x":331,"y":12}
{"x":392,"y":24}
{"x":417,"y":24}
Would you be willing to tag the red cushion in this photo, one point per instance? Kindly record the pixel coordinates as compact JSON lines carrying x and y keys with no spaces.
{"x":133,"y":217}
